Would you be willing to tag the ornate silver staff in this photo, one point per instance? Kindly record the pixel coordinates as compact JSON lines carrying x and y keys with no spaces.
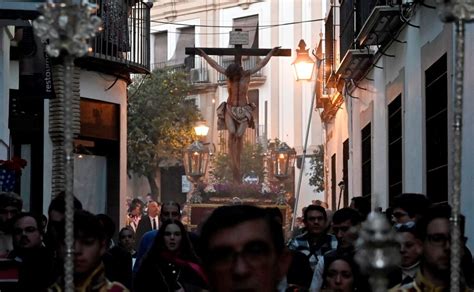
{"x":67,"y":26}
{"x":378,"y":250}
{"x":459,"y":12}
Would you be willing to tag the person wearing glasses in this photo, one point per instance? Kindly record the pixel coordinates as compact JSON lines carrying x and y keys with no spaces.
{"x":315,"y":242}
{"x":409,"y":207}
{"x":34,"y":259}
{"x":243,"y":250}
{"x":433,"y":230}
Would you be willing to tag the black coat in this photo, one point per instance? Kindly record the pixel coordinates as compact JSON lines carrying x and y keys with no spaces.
{"x":143,"y":227}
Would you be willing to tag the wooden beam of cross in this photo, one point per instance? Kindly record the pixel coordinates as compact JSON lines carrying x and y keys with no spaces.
{"x":238,"y":52}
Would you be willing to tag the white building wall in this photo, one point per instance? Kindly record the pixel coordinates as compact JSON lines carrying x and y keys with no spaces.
{"x":94,"y":85}
{"x":404,"y":74}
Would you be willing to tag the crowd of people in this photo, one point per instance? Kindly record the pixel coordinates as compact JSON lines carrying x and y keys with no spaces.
{"x":238,"y":248}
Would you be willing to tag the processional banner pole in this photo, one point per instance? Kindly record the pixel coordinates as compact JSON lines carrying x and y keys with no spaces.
{"x":67,"y":26}
{"x":459,"y":12}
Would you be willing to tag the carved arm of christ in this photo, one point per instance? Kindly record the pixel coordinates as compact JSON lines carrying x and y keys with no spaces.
{"x":238,"y":82}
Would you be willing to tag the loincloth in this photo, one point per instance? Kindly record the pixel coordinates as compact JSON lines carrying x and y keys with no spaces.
{"x":239,"y":114}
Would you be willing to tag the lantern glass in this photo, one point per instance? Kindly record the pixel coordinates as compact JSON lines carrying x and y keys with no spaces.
{"x":303,"y":70}
{"x":283,"y":159}
{"x":303,"y":65}
{"x":196,"y":158}
{"x":201,"y":129}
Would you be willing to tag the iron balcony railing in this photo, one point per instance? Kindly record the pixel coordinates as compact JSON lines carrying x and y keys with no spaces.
{"x":195,"y":66}
{"x":365,"y":8}
{"x":353,"y":15}
{"x":125,"y":35}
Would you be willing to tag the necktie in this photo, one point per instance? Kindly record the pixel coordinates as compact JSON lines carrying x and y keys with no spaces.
{"x":154,"y":223}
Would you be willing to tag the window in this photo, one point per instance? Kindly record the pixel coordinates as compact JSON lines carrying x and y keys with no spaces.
{"x":186,"y":39}
{"x":161,"y":48}
{"x":436,"y":88}
{"x":366,"y":138}
{"x":395,"y":163}
{"x":345,"y":171}
{"x":250,"y":24}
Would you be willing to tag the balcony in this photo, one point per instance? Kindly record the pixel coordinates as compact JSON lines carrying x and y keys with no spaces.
{"x":355,"y":64}
{"x":381,"y":26}
{"x":195,"y":66}
{"x":123,"y":46}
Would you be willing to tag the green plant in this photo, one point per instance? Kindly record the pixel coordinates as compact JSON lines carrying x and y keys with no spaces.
{"x":251,"y":160}
{"x":160,"y":122}
{"x":316,"y":169}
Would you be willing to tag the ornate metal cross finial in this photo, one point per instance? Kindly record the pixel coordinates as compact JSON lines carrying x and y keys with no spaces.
{"x":67,"y":26}
{"x":455,"y":10}
{"x":378,"y":250}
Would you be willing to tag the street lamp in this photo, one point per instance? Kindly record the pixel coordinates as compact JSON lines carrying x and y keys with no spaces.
{"x":201,"y":128}
{"x":303,"y":65}
{"x":195,"y":159}
{"x":283,"y":160}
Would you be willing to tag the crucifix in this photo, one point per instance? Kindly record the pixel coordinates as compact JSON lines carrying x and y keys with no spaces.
{"x":235,"y":115}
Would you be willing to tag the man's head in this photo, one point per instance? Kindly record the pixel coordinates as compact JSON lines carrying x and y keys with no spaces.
{"x":409,"y":207}
{"x":345,"y":224}
{"x":315,"y":219}
{"x":89,"y":243}
{"x":127,"y":238}
{"x":170,"y":211}
{"x":10,"y":206}
{"x":27,"y":231}
{"x":411,"y":247}
{"x":153,"y":209}
{"x":57,"y":207}
{"x":243,"y":248}
{"x":434,"y":231}
{"x":136,"y":207}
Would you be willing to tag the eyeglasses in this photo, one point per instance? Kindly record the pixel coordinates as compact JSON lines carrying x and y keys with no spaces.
{"x":253,"y":254}
{"x":404,"y":226}
{"x":399,"y":214}
{"x":438,"y":239}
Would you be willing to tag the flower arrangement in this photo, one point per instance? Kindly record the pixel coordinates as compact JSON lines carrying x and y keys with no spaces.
{"x":15,"y":164}
{"x":242,"y":191}
{"x":9,"y":171}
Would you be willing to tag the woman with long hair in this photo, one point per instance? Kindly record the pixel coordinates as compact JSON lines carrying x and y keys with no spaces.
{"x":341,"y":274}
{"x":171,"y":263}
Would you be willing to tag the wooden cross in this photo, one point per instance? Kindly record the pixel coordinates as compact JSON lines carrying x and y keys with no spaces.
{"x":238,"y":52}
{"x":236,"y":111}
{"x":238,"y":38}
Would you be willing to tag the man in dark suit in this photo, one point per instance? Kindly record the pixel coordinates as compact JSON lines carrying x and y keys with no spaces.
{"x":149,"y":222}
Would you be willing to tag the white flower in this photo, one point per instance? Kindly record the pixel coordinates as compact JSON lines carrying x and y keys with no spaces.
{"x":209,"y":189}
